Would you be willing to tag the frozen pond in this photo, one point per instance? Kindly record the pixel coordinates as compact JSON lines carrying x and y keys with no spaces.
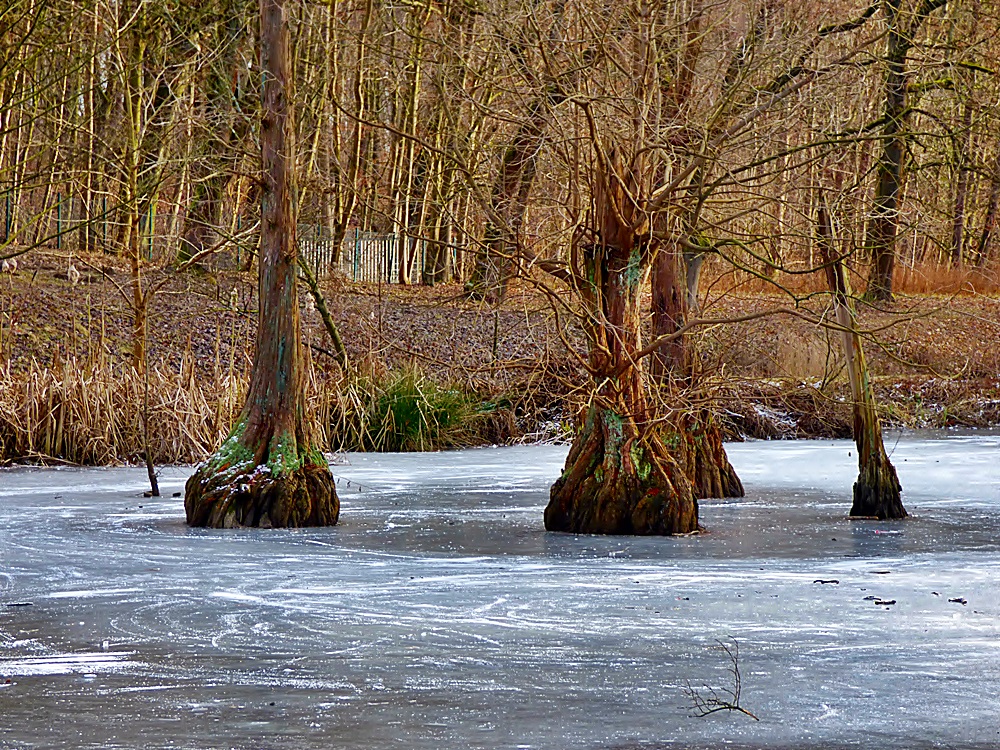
{"x":439,"y":614}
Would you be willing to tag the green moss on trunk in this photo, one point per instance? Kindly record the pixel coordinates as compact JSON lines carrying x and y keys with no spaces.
{"x":292,"y":488}
{"x":620,"y":480}
{"x":267,"y":473}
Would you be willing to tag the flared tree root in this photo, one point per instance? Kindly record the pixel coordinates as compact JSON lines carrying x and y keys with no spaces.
{"x":620,"y":479}
{"x":697,"y":445}
{"x":877,"y":493}
{"x":286,"y":488}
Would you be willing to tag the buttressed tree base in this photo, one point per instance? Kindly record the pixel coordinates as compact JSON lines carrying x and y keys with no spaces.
{"x":620,"y":479}
{"x":288,"y":487}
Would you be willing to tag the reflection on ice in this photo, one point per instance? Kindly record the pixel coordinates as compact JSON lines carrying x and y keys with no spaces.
{"x":86,"y":663}
{"x":440,"y":615}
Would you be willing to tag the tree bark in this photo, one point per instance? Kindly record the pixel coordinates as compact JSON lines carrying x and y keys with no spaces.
{"x":961,"y":188}
{"x":268,"y":472}
{"x":509,"y":201}
{"x":883,"y":225}
{"x":877,"y":490}
{"x":695,"y":441}
{"x":990,"y":220}
{"x":619,"y":478}
{"x":694,"y":437}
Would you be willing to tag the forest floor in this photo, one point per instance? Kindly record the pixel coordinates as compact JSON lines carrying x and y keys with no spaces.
{"x":935,"y":359}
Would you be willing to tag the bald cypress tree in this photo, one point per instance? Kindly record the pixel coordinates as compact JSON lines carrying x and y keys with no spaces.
{"x":268,"y":472}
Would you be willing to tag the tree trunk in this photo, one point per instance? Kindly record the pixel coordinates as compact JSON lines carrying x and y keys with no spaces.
{"x":694,"y":437}
{"x":883,"y":225}
{"x":961,"y":188}
{"x":880,"y":235}
{"x":877,"y":490}
{"x":696,"y":443}
{"x":619,"y":478}
{"x":509,"y":201}
{"x":672,"y":359}
{"x":990,"y":221}
{"x":268,"y":473}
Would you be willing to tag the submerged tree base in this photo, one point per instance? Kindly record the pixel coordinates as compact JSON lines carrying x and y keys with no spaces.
{"x":877,"y":494}
{"x":233,"y":490}
{"x":698,"y":447}
{"x":620,"y":479}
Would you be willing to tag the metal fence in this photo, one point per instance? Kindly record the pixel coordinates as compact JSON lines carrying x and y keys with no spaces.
{"x":364,"y":256}
{"x":66,"y":218}
{"x":370,"y":257}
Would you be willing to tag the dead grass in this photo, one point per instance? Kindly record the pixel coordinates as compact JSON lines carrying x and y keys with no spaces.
{"x":92,"y":413}
{"x":910,"y":280}
{"x":485,"y":375}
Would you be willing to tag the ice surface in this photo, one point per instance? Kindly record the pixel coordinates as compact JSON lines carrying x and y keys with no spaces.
{"x":439,"y":614}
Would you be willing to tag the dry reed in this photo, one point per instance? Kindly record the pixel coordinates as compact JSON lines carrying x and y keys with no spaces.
{"x":92,"y":413}
{"x":923,"y":278}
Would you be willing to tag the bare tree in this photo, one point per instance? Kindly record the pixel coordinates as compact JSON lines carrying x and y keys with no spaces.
{"x":877,"y":490}
{"x":269,"y":471}
{"x":883,"y":225}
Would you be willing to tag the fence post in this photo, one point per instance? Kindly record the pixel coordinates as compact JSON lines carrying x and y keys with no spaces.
{"x":319,"y":251}
{"x":58,"y":221}
{"x":356,"y":250}
{"x":391,"y":258}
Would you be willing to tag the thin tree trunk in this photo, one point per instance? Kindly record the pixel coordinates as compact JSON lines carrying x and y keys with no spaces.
{"x":509,"y":201}
{"x":88,"y":237}
{"x":215,"y":166}
{"x":961,"y":189}
{"x":877,"y":489}
{"x":268,"y":472}
{"x":990,"y":221}
{"x":131,"y":67}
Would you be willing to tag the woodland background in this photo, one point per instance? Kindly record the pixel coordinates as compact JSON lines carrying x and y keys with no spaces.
{"x":465,"y":137}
